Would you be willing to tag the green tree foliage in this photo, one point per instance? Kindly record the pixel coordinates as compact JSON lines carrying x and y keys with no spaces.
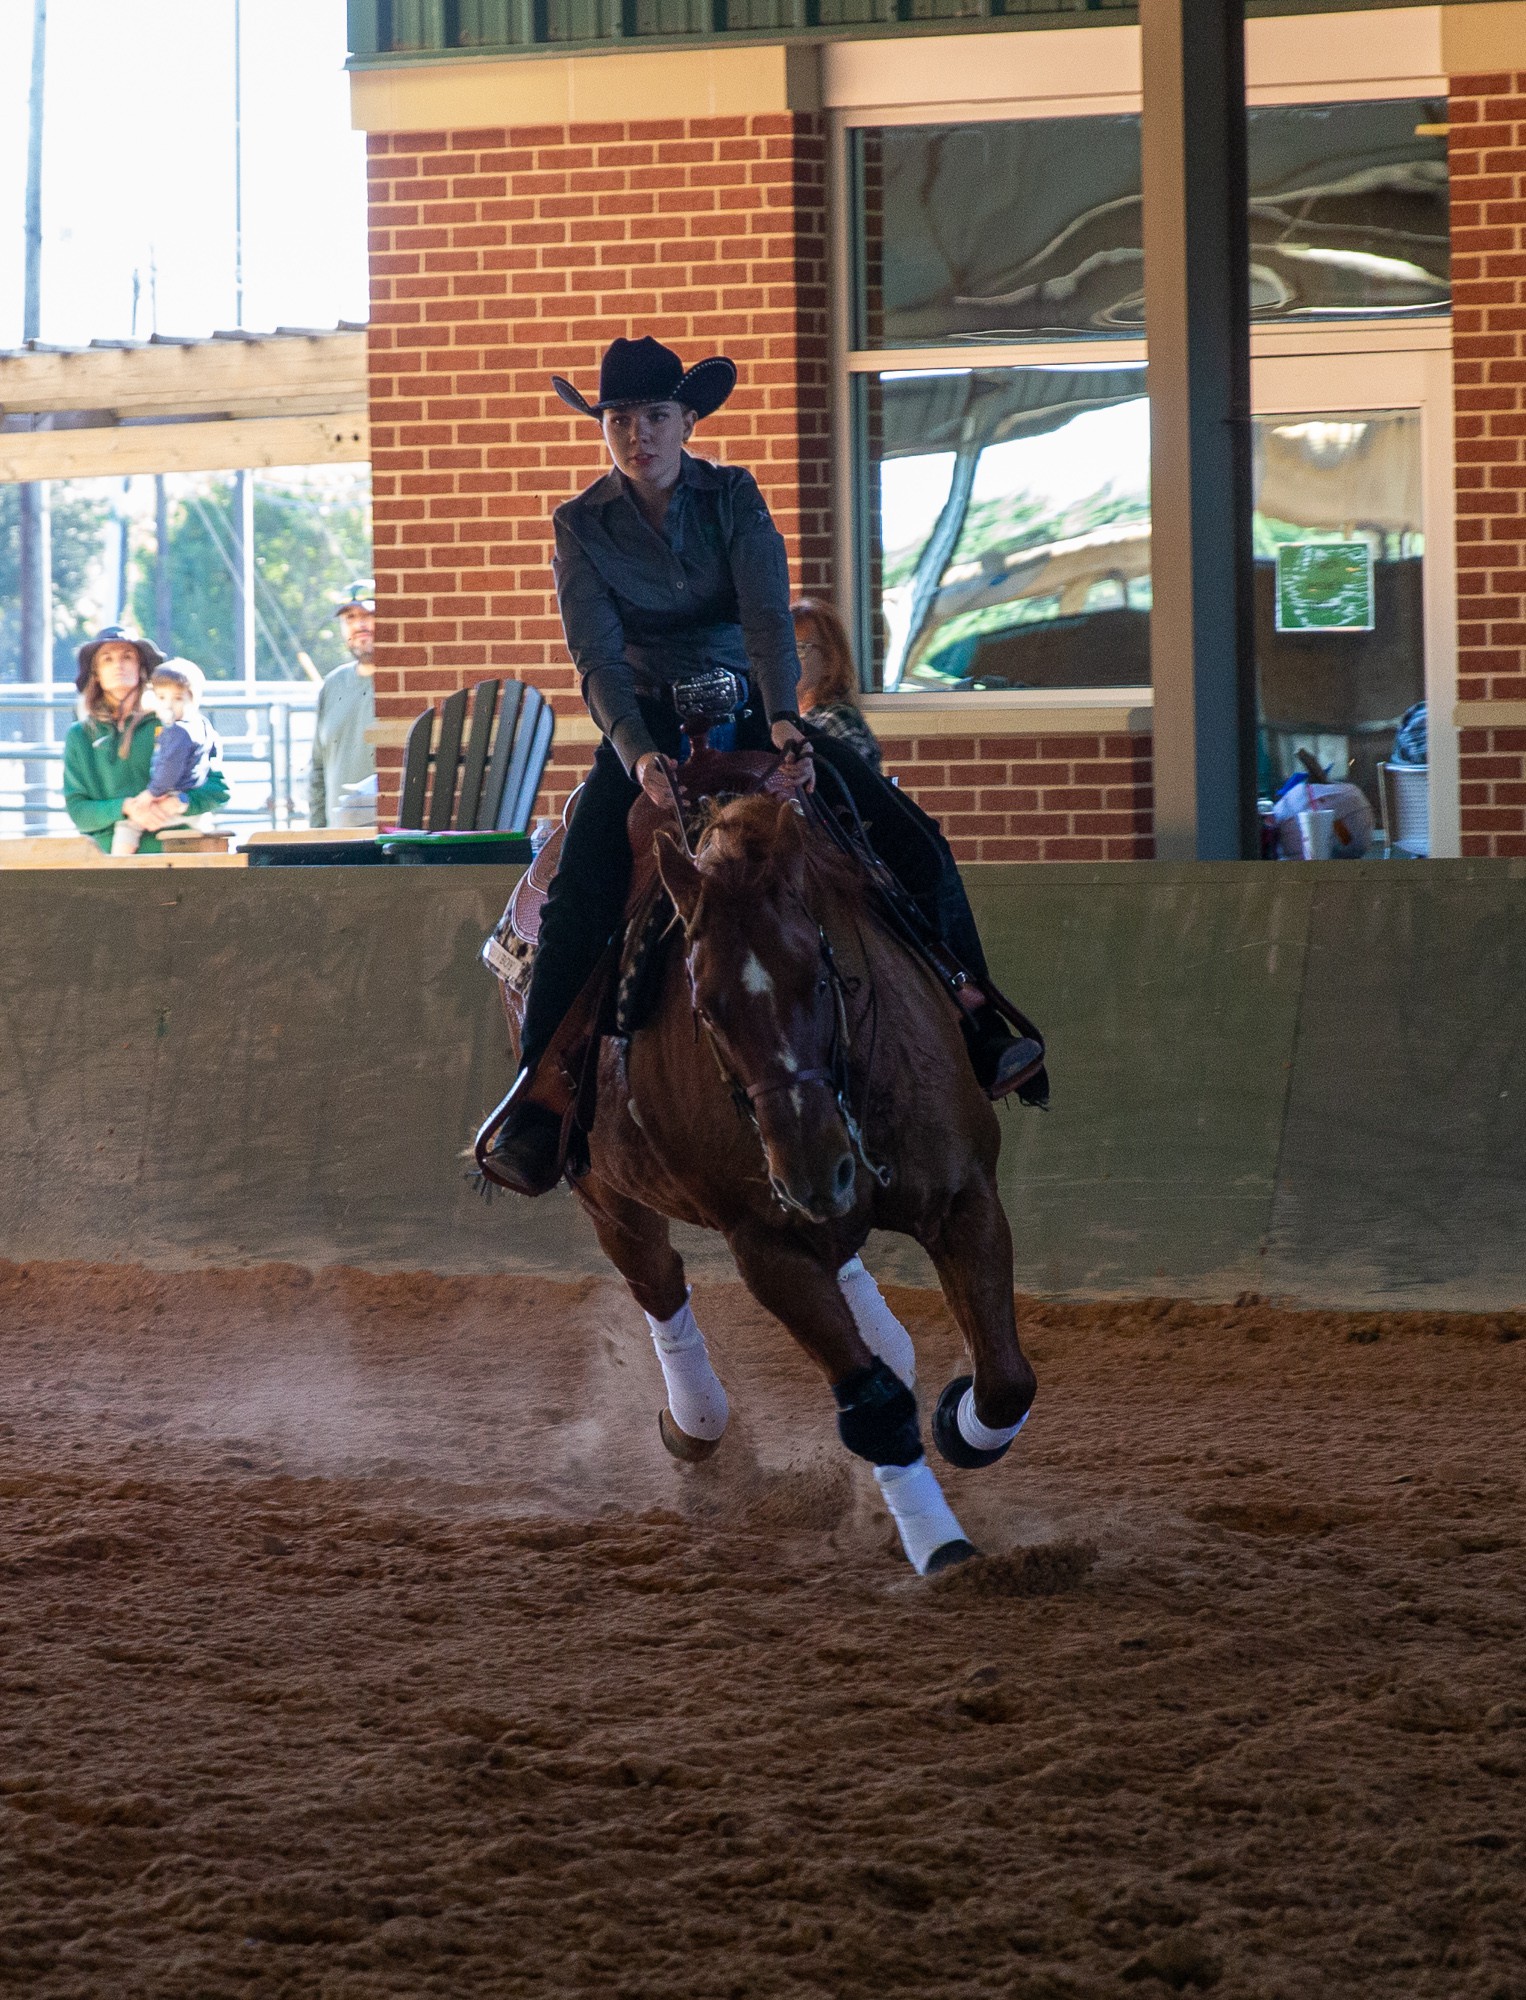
{"x":310,"y":543}
{"x":79,"y":527}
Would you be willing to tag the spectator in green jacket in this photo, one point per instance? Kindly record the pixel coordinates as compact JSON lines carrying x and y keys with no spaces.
{"x":108,"y":751}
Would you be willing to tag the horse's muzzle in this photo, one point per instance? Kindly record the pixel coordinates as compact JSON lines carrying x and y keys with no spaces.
{"x":820,"y":1198}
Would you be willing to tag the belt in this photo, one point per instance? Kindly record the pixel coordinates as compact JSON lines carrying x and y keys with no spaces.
{"x":702,"y":700}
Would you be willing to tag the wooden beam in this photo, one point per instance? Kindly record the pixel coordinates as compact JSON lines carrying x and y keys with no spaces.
{"x":240,"y":445}
{"x":281,"y":374}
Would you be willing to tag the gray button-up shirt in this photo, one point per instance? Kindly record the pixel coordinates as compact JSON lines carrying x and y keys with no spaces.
{"x":342,"y":757}
{"x":711,"y":589}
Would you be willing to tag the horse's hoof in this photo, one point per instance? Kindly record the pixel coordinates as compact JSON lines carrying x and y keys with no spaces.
{"x":949,"y":1556}
{"x":948,"y":1437}
{"x":691,"y":1450}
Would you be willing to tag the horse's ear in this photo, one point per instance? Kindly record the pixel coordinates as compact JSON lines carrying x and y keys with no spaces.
{"x":680,"y":877}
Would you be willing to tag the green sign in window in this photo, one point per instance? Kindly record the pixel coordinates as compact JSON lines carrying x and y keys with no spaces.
{"x":1324,"y":587}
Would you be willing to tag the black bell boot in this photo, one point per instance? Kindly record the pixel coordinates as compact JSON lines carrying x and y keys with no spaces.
{"x":1005,"y":1062}
{"x":526,"y":1150}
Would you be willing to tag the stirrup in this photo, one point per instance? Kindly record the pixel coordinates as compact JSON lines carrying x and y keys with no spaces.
{"x":1022,"y":1062}
{"x":490,"y":1163}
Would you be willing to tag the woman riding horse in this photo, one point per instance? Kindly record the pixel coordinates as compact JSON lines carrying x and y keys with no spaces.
{"x":667,"y":568}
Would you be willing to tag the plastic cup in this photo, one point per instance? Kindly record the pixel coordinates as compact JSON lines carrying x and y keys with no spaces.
{"x":1316,"y":833}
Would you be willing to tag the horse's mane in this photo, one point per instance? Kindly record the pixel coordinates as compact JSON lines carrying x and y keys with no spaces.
{"x":748,"y":842}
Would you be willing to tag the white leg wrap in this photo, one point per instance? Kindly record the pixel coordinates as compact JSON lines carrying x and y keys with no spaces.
{"x":879,"y":1329}
{"x":696,"y":1400}
{"x":923,"y":1518}
{"x":980,"y":1436}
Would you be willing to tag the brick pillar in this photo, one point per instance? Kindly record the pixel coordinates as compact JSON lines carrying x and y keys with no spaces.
{"x":500,"y":257}
{"x":1487,"y":152}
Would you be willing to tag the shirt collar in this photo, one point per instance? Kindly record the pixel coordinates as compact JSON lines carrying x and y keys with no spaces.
{"x":615,"y":486}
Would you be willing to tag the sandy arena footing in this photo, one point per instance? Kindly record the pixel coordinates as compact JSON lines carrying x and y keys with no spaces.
{"x":357,"y":1637}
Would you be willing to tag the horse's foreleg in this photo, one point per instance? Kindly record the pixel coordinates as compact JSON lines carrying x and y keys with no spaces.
{"x":876,"y":1411}
{"x":976,"y":1421}
{"x":878,"y":1326}
{"x":635,"y":1239}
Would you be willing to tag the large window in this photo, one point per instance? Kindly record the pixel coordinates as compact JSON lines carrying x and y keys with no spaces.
{"x":996,"y":358}
{"x":1013,"y":515}
{"x":1031,"y":228}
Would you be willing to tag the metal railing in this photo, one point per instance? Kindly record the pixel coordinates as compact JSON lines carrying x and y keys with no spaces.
{"x":266,"y":745}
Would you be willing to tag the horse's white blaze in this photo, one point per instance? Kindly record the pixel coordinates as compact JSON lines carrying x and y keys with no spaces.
{"x":755,"y":976}
{"x":924,"y":1520}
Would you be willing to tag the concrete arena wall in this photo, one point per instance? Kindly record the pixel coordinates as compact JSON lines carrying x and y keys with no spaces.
{"x":1305,"y":1081}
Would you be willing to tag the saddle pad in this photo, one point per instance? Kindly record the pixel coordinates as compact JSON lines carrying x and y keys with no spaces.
{"x":522,"y":916}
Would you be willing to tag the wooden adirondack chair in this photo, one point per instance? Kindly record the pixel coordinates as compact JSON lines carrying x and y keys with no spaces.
{"x":499,"y":772}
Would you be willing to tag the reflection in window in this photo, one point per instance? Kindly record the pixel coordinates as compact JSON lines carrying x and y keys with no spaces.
{"x":1031,"y":229}
{"x":1013,"y":551}
{"x":1014,"y":528}
{"x":1336,"y":691}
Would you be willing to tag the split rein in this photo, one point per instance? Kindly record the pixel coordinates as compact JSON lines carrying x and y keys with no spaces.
{"x":836,"y":1076}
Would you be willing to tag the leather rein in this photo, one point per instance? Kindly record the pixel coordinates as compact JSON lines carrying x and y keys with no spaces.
{"x":836,"y":1076}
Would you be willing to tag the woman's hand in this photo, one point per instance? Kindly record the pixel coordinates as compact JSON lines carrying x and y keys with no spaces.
{"x":797,"y":768}
{"x":657,"y":775}
{"x":152,"y":814}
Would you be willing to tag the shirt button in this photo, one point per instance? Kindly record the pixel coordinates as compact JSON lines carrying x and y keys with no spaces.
{"x":678,"y":583}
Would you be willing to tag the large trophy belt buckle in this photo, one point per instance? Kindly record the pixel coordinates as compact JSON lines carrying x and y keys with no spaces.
{"x":709,"y":698}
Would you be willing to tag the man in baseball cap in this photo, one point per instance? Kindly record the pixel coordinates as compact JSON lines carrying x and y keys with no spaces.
{"x":342,"y":777}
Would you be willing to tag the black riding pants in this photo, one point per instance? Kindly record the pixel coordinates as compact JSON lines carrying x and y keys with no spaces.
{"x":909,"y":842}
{"x":587,"y":897}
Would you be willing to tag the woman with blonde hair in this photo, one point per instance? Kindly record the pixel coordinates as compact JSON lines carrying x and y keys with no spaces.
{"x":829,"y":679}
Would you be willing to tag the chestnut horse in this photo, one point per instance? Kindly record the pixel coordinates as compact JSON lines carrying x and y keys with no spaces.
{"x":801,"y":1079}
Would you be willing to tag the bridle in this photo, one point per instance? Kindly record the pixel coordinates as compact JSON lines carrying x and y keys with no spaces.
{"x":835,"y":1076}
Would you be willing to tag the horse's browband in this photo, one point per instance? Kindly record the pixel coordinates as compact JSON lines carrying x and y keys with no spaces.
{"x":757,"y":1090}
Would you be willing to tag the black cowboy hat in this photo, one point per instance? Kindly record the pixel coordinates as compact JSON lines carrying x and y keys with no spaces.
{"x":644,"y":371}
{"x":149,"y":655}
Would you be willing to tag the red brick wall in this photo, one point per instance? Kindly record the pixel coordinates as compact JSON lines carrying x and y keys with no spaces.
{"x":1032,"y":798}
{"x":1488,"y":166}
{"x":1000,"y":798}
{"x":498,"y":257}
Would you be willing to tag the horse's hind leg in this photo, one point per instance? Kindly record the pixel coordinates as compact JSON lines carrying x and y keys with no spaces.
{"x":975,"y":1422}
{"x":635,"y":1240}
{"x":876,"y":1411}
